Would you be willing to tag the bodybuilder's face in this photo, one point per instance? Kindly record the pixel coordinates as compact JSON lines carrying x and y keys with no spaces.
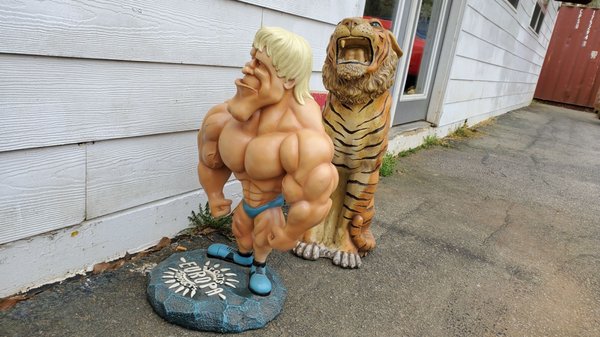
{"x":259,"y":87}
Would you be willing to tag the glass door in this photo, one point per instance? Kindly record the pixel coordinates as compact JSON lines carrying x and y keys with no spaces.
{"x":420,"y":33}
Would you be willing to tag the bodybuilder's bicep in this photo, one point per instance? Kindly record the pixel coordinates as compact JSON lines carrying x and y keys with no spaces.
{"x":306,"y":158}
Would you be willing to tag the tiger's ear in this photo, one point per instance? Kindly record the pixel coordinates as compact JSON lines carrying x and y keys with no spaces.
{"x":394,"y":43}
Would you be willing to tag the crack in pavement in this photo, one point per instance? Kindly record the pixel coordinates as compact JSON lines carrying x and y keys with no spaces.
{"x":502,"y":227}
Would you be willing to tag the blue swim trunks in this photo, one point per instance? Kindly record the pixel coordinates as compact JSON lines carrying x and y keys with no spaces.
{"x":253,"y":212}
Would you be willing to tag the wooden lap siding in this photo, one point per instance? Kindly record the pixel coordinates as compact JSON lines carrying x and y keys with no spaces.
{"x":498,"y":59}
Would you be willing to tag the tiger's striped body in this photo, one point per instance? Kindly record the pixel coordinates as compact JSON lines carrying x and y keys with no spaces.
{"x":360,"y":141}
{"x":358,"y":72}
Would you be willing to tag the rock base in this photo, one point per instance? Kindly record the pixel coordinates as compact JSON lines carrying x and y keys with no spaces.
{"x":201,"y":293}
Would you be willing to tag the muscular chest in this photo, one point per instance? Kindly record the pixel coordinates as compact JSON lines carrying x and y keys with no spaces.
{"x":250,"y":153}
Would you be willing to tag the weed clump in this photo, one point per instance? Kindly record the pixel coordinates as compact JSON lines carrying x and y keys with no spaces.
{"x":408,"y":152}
{"x":432,"y":140}
{"x":428,"y":141}
{"x":204,"y":223}
{"x":388,"y":165}
{"x":462,"y":132}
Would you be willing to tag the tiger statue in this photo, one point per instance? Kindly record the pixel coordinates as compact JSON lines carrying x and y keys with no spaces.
{"x":358,"y":72}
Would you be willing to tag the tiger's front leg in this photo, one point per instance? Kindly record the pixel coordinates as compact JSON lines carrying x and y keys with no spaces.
{"x":345,"y":234}
{"x":358,"y":210}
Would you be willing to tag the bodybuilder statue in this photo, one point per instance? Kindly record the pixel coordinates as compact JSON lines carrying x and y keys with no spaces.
{"x":270,"y":136}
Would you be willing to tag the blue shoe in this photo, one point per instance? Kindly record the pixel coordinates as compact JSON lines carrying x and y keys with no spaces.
{"x":259,"y":282}
{"x":224,"y":252}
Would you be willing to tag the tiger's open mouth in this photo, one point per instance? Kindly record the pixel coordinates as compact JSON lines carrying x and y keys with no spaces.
{"x":354,"y":50}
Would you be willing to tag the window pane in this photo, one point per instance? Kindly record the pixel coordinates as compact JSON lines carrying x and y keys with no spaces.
{"x":534,"y":17}
{"x":539,"y":24}
{"x":423,"y":52}
{"x":514,"y":3}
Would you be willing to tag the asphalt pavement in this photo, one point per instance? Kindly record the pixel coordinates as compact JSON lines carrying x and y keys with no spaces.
{"x":494,"y":235}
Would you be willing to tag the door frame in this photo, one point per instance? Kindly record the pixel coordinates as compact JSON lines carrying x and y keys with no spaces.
{"x":441,"y":76}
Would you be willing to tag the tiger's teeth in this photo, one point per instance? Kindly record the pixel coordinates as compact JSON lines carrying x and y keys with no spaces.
{"x":343,"y":43}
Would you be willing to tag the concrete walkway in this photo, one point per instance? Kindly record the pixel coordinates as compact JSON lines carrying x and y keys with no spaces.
{"x":497,"y":235}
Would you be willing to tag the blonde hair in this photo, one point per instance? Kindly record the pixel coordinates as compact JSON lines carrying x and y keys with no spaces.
{"x":291,"y":55}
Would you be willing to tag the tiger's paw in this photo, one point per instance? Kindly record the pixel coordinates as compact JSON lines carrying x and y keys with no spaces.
{"x":347,"y":260}
{"x":307,"y":251}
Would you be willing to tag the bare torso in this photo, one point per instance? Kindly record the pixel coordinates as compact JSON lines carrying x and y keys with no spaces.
{"x":270,"y":136}
{"x":251,"y":150}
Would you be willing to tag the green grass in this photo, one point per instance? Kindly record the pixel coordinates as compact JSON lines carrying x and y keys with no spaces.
{"x":388,"y":165}
{"x":428,"y":142}
{"x":431,"y":141}
{"x":203,"y":222}
{"x":408,"y":152}
{"x":462,"y":132}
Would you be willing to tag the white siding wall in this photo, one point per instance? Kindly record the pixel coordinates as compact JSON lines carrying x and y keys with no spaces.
{"x":99,"y":104}
{"x":498,"y":60}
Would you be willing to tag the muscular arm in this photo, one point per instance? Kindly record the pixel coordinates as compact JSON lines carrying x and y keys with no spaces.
{"x":307,"y":186}
{"x":213,"y":174}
